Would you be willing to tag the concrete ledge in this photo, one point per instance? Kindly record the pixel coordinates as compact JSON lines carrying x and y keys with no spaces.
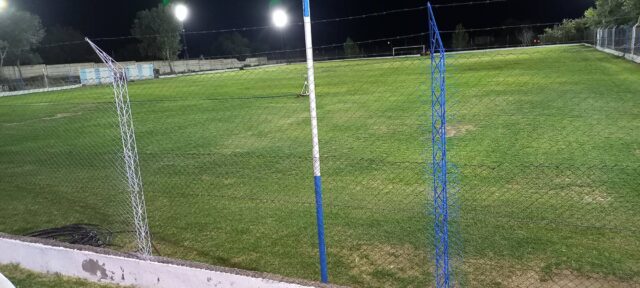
{"x":630,"y":57}
{"x":107,"y":266}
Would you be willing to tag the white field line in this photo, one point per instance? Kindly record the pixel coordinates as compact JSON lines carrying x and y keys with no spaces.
{"x":455,"y":52}
{"x":199,"y":73}
{"x":514,"y":48}
{"x":24,"y":92}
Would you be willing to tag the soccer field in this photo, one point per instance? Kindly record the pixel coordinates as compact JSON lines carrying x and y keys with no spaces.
{"x":545,"y":140}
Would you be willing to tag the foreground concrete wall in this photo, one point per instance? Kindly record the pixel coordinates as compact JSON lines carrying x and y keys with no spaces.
{"x":100,"y":265}
{"x":630,"y":57}
{"x":72,"y":70}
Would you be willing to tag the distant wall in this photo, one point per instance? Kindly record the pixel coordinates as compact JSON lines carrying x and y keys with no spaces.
{"x":98,"y":76}
{"x":181,"y":66}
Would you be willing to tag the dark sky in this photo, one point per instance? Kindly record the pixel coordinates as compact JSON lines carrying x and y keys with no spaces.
{"x":109,"y":18}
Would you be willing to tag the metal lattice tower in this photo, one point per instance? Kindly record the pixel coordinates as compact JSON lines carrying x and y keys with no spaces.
{"x":130,"y":151}
{"x":439,"y":145}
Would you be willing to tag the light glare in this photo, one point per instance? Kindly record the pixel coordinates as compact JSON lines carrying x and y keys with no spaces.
{"x":4,"y":4}
{"x":181,"y":11}
{"x":280,"y":18}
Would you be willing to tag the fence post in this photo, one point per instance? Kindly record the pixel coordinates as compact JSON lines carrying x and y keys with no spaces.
{"x":613,"y":38}
{"x":439,"y":153}
{"x":633,"y":39}
{"x":322,"y":248}
{"x":46,"y":80}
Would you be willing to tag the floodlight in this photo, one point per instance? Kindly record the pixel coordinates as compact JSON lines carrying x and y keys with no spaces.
{"x":180,"y":10}
{"x":4,"y":4}
{"x":280,"y":18}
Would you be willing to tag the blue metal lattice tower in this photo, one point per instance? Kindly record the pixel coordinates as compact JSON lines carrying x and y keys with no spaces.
{"x":442,"y":271}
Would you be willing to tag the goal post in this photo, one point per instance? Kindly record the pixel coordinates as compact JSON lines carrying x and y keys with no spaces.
{"x":132,"y":175}
{"x":409,"y":50}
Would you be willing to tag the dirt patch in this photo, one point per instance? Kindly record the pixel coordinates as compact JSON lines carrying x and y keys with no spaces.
{"x":372,"y":264}
{"x":580,"y":188}
{"x":503,"y":275}
{"x":60,"y":115}
{"x":57,"y":116}
{"x":587,"y":194}
{"x":459,"y":130}
{"x":596,"y":197}
{"x":564,"y":279}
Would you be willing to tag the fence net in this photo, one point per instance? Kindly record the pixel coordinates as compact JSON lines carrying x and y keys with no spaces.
{"x":621,"y":39}
{"x":226,"y":164}
{"x":636,"y":40}
{"x":61,"y":163}
{"x":542,"y":173}
{"x":548,"y":167}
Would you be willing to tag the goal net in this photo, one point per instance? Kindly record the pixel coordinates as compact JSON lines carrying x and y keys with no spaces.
{"x":409,"y":50}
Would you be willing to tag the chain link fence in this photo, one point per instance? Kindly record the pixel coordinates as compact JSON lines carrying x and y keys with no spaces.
{"x":535,"y":161}
{"x":225,"y":160}
{"x":548,"y":166}
{"x":620,"y":40}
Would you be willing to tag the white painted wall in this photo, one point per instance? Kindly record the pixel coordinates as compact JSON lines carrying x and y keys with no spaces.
{"x":5,"y":283}
{"x":121,"y":270}
{"x":182,"y":66}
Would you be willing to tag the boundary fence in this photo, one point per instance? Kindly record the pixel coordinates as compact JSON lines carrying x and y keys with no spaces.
{"x":235,"y":147}
{"x":623,"y":41}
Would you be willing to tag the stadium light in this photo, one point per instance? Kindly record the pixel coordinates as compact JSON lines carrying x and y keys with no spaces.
{"x":280,"y":18}
{"x":4,"y":4}
{"x":180,"y":10}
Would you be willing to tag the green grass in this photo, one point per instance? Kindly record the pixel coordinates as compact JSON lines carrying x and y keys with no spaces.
{"x":22,"y":278}
{"x":544,"y":140}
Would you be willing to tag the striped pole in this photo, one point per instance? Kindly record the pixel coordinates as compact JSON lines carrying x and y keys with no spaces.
{"x":322,"y":248}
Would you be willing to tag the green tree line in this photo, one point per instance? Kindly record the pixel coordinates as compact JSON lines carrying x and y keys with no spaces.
{"x":605,"y":13}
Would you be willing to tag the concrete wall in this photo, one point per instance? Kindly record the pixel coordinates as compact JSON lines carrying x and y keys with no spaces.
{"x":630,"y":57}
{"x":182,"y":66}
{"x":106,"y":266}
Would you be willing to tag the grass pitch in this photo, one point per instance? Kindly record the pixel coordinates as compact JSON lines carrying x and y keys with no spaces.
{"x":543,"y":139}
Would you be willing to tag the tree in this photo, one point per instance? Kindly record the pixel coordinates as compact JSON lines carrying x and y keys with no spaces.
{"x":460,"y":38}
{"x":54,"y":52}
{"x":605,"y":13}
{"x":569,"y":31}
{"x":613,"y":12}
{"x":20,"y":33}
{"x":158,"y":32}
{"x":351,"y":48}
{"x":129,"y":52}
{"x":232,"y":44}
{"x":526,"y":36}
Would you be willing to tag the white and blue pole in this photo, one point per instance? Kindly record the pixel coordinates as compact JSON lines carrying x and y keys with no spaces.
{"x":322,"y":248}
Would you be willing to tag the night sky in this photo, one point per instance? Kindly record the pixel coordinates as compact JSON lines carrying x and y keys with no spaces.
{"x":110,"y":18}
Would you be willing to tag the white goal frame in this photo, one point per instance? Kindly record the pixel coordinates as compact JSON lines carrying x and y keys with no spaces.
{"x":130,"y":150}
{"x":423,"y":47}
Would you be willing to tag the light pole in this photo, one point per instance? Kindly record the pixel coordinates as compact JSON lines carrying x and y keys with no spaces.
{"x":280,"y":21}
{"x":182,"y":13}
